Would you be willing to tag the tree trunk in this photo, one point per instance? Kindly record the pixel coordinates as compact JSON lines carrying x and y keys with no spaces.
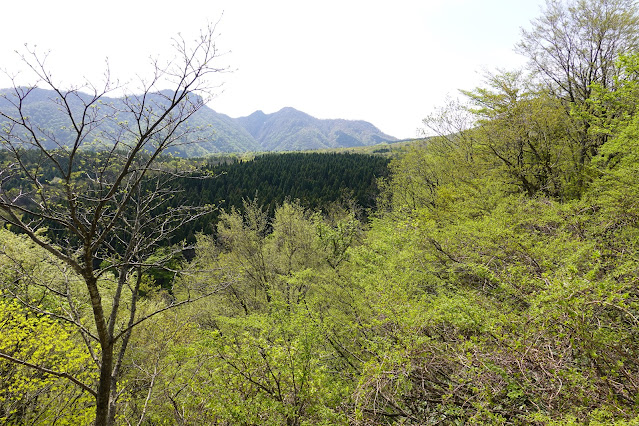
{"x":106,"y":348}
{"x":104,"y":388}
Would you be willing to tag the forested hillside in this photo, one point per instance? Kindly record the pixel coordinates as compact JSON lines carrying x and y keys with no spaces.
{"x":495,"y":281}
{"x":290,"y":130}
{"x":209,"y":131}
{"x":317,"y":181}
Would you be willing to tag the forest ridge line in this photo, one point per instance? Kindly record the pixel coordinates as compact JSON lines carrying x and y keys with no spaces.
{"x":285,"y":130}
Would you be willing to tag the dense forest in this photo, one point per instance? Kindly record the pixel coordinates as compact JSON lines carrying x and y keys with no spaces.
{"x":316,"y":180}
{"x":494,"y":280}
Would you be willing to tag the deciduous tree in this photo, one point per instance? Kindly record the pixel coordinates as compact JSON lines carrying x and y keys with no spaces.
{"x":577,"y":43}
{"x":104,"y":210}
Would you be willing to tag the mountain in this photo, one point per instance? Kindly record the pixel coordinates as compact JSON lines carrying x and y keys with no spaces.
{"x":218,"y":132}
{"x":285,"y":130}
{"x":223,"y":134}
{"x":293,"y":130}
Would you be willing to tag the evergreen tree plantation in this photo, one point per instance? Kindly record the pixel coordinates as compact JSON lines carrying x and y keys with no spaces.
{"x":488,"y":274}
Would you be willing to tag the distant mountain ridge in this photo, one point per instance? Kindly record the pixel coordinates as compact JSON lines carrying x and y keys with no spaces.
{"x":285,"y":130}
{"x":291,"y":130}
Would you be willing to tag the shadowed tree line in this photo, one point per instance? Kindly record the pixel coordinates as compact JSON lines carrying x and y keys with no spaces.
{"x":317,"y":180}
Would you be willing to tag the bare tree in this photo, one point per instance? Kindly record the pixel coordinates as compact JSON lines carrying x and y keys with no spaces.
{"x":101,"y":191}
{"x":576,"y":43}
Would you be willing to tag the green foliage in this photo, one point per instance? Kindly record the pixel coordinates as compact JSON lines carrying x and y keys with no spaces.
{"x":258,"y":353}
{"x":496,"y":283}
{"x":527,"y":133}
{"x":28,"y":394}
{"x":611,"y":108}
{"x":315,"y":179}
{"x":464,"y":302}
{"x":461,"y":302}
{"x":505,"y":316}
{"x":271,"y":373}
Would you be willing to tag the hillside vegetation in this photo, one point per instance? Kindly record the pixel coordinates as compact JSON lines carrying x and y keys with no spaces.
{"x":284,"y":130}
{"x":316,"y":181}
{"x":495,"y":281}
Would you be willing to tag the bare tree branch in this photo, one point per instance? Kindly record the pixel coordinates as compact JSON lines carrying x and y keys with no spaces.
{"x":64,"y":375}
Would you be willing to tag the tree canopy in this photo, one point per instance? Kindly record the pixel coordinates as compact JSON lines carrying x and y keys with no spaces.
{"x":494,"y":281}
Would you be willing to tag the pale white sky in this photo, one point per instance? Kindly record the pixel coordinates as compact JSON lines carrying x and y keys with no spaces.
{"x":387,"y":62}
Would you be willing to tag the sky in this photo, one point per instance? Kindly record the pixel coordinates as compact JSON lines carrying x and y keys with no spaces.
{"x":387,"y":62}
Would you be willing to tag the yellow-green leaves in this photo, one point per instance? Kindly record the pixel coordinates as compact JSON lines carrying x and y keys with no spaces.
{"x":35,"y":345}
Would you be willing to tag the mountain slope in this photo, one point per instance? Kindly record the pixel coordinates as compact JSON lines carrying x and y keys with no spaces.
{"x":293,"y":130}
{"x":216,"y":132}
{"x":285,"y":130}
{"x":221,"y":134}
